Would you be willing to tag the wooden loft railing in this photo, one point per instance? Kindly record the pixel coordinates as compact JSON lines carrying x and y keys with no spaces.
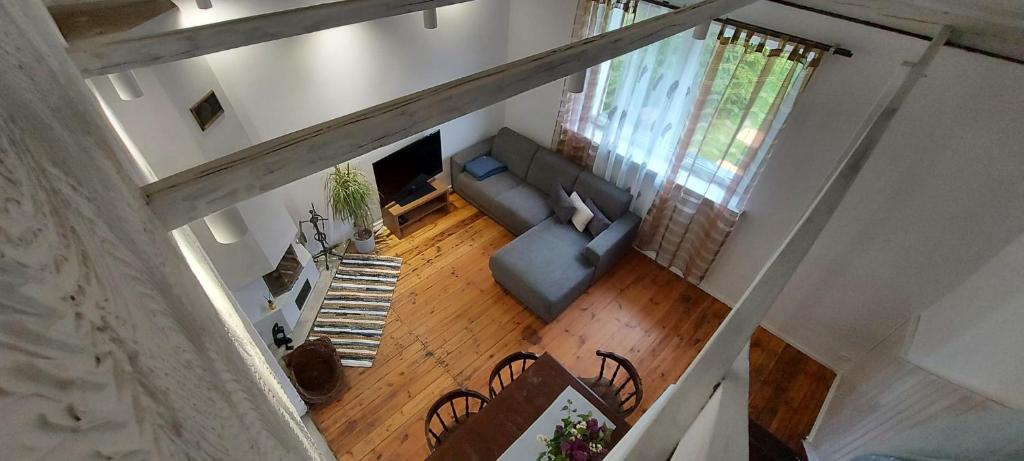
{"x":673,"y":418}
{"x":114,"y":344}
{"x":197,"y":192}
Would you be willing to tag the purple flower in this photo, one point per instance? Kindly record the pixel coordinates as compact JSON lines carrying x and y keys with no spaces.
{"x":593,"y":426}
{"x":580,"y":456}
{"x":576,"y":450}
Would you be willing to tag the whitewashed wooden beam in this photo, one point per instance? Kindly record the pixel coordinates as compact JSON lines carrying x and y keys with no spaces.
{"x":107,"y":55}
{"x":697,"y":384}
{"x":722,"y":430}
{"x":111,"y":348}
{"x":202,"y":190}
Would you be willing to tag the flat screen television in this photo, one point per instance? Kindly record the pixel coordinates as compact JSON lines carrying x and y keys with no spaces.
{"x":404,"y":175}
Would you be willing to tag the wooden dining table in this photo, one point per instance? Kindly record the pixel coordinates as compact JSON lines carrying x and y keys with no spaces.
{"x":487,"y":434}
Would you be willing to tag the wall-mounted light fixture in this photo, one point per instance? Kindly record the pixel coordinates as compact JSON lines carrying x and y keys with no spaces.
{"x":126,"y":85}
{"x":204,"y":4}
{"x":701,"y":31}
{"x":577,"y":81}
{"x":227,"y":225}
{"x":430,"y":18}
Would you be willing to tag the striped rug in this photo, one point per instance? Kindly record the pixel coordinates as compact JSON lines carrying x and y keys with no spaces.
{"x":356,"y":307}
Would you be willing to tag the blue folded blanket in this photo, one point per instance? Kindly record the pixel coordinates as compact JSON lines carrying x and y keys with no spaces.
{"x":484,"y":167}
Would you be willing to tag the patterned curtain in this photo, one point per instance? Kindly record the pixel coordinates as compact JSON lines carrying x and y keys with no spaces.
{"x":685,"y":125}
{"x":577,"y":111}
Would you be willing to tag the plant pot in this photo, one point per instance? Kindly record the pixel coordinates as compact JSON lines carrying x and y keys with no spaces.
{"x":364,"y":241}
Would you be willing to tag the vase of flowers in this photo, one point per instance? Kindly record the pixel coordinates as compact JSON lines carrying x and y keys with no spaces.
{"x":580,"y":437}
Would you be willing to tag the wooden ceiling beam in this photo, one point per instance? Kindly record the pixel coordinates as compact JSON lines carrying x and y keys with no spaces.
{"x":117,"y":53}
{"x":85,"y":20}
{"x":197,"y":192}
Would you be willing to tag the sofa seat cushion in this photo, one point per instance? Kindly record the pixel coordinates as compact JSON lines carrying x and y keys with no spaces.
{"x":484,"y":193}
{"x":544,"y":268}
{"x":521,"y":208}
{"x":514,"y":150}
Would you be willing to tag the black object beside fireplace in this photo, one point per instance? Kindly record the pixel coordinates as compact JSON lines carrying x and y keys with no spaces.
{"x":300,"y":299}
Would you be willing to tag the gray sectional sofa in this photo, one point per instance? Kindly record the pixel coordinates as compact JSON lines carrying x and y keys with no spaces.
{"x":549,"y":264}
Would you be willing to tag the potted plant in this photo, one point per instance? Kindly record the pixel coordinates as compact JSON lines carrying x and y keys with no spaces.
{"x":348,"y":196}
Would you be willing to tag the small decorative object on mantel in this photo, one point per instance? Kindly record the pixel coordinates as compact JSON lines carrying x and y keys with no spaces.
{"x":270,"y":305}
{"x":580,"y":436}
{"x":207,"y":110}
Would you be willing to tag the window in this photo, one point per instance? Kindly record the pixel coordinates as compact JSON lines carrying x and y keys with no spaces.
{"x":639,"y":114}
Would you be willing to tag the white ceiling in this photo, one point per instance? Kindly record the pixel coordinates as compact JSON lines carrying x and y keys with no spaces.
{"x":995,"y":26}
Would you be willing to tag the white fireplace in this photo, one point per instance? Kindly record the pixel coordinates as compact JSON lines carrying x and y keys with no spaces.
{"x":264,"y":264}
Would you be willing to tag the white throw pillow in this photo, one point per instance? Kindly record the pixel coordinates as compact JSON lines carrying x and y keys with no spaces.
{"x":582,"y":216}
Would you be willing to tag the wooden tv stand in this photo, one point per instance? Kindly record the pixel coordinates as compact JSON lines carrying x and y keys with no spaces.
{"x":398,"y":218}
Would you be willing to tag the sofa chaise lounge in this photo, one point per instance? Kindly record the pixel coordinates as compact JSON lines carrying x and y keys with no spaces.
{"x":549,"y":264}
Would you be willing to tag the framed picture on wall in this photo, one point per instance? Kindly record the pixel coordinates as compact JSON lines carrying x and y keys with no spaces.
{"x":207,"y":110}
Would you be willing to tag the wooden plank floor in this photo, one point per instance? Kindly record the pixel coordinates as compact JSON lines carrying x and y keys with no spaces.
{"x":450,"y":322}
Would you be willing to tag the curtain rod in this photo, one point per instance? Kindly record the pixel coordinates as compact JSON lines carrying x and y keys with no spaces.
{"x":894,"y":30}
{"x":832,"y":49}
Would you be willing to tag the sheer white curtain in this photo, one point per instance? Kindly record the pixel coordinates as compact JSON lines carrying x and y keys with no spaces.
{"x":685,"y":125}
{"x":626,"y":124}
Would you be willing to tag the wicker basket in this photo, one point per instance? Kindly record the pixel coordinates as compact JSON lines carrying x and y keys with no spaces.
{"x":315,"y":371}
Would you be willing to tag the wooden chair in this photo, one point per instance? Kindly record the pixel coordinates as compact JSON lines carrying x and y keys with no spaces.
{"x":459,"y":411}
{"x":611,"y":388}
{"x":506,"y":368}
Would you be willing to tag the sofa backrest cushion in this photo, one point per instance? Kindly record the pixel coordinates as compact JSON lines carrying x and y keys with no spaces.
{"x":611,"y":200}
{"x":514,"y":150}
{"x":549,"y":169}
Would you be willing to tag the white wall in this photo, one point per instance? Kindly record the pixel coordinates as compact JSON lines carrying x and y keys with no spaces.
{"x":535,"y":26}
{"x":932,"y":207}
{"x":293,"y":83}
{"x":884,"y":404}
{"x":278,"y":87}
{"x":822,"y":124}
{"x":972,"y":336}
{"x":162,"y":132}
{"x":162,"y":128}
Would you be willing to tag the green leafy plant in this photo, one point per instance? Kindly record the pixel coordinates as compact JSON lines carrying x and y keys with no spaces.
{"x":348,"y":196}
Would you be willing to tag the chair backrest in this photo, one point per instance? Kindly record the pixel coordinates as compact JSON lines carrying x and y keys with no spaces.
{"x":449,"y":411}
{"x":623,"y":381}
{"x":508,"y":369}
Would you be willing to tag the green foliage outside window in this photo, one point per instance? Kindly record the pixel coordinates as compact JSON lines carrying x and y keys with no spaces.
{"x":735,"y":91}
